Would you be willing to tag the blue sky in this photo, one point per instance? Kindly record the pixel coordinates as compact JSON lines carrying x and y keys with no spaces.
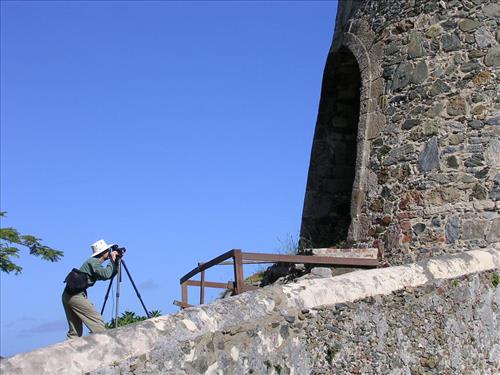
{"x":179,"y":130}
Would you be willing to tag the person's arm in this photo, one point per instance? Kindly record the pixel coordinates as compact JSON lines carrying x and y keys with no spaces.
{"x":104,"y":273}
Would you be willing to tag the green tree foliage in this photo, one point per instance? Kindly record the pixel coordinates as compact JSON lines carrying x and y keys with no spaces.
{"x":129,"y":317}
{"x":10,"y":239}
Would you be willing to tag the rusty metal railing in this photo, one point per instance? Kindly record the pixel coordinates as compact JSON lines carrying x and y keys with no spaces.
{"x":239,"y":258}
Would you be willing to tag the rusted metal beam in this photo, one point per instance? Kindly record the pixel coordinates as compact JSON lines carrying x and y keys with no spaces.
{"x":204,"y":266}
{"x":308,"y":259}
{"x":229,"y":263}
{"x":210,"y":284}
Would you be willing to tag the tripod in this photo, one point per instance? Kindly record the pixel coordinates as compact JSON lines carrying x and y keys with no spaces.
{"x":121,"y":263}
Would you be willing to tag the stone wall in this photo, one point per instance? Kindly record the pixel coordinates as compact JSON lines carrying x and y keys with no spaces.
{"x":448,"y":327}
{"x":436,"y":317}
{"x":427,"y":178}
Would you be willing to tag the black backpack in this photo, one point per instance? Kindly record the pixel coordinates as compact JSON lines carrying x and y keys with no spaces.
{"x":76,"y":281}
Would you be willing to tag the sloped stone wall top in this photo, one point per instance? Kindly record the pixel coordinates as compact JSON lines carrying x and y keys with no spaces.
{"x":90,"y":353}
{"x":361,"y":284}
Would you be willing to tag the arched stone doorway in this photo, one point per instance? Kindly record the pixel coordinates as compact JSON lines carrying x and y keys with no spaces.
{"x":327,"y":207}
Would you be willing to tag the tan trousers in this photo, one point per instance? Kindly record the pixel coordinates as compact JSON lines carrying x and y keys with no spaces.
{"x":80,"y":310}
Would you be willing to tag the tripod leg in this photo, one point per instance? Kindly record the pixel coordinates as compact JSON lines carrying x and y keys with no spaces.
{"x":136,"y":291}
{"x":107,"y":294}
{"x":118,"y":284}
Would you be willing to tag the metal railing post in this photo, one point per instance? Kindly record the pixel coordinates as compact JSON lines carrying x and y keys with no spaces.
{"x":184,"y":293}
{"x":202,"y":286}
{"x":238,"y":272}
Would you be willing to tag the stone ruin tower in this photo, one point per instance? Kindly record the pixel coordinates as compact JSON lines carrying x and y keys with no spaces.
{"x":406,"y":149}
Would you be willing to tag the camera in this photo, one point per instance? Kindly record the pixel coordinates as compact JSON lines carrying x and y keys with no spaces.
{"x":119,"y":250}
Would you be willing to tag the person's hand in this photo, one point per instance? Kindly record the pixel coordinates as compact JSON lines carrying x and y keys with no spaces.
{"x":113,"y":255}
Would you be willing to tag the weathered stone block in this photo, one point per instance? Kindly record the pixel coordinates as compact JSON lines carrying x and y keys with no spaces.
{"x":476,"y":124}
{"x":474,"y":161}
{"x":418,"y":228}
{"x":478,"y":97}
{"x":420,"y":73}
{"x":410,"y":199}
{"x":473,"y":229}
{"x":377,"y":88}
{"x":392,"y":237}
{"x":492,"y":58}
{"x":431,"y":127}
{"x":468,"y":24}
{"x":392,"y":48}
{"x":368,"y":105}
{"x":436,"y":109}
{"x":452,"y":229}
{"x":476,"y":54}
{"x":493,"y":234}
{"x":456,"y":139}
{"x":479,"y":192}
{"x":429,"y":157}
{"x":484,"y":38}
{"x":492,"y":153}
{"x":455,"y":126}
{"x":492,"y":10}
{"x":493,"y":120}
{"x":415,"y":47}
{"x":452,"y":162}
{"x":434,"y":31}
{"x":442,"y":195}
{"x":482,"y":78}
{"x":484,"y":205}
{"x":475,"y":148}
{"x":471,"y":66}
{"x":439,"y":87}
{"x":483,"y":173}
{"x":479,"y":110}
{"x":495,"y":193}
{"x":402,"y":76}
{"x":410,"y":123}
{"x":457,"y":106}
{"x":377,"y":205}
{"x":375,"y":123}
{"x":398,"y":154}
{"x":450,"y":42}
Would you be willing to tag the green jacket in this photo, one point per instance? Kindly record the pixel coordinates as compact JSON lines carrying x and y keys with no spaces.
{"x":95,"y":271}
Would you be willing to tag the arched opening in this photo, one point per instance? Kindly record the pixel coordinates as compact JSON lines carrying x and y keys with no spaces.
{"x":327,"y":207}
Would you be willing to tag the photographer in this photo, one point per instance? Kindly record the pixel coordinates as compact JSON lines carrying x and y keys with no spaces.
{"x":77,"y":306}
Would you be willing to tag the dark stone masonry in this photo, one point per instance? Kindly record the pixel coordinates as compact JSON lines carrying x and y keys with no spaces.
{"x":413,"y":168}
{"x":442,"y":328}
